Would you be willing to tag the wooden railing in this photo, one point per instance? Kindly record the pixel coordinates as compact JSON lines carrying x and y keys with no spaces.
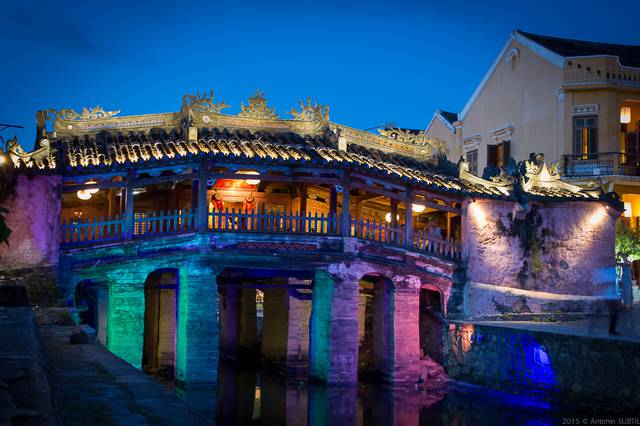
{"x":81,"y":231}
{"x":160,"y":223}
{"x":273,"y":222}
{"x":432,"y":244}
{"x":92,"y":229}
{"x":376,"y":231}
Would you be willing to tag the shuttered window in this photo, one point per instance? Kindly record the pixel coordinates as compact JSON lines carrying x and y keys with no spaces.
{"x":472,"y":160}
{"x":497,"y":155}
{"x":585,"y":130}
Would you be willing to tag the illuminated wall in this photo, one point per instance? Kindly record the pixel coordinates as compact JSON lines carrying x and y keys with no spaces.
{"x":558,"y":248}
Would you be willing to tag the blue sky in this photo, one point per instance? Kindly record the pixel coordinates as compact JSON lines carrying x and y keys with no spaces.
{"x":372,"y":62}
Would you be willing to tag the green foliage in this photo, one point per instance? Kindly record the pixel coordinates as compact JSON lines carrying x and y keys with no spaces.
{"x":7,"y":189}
{"x":627,"y":241}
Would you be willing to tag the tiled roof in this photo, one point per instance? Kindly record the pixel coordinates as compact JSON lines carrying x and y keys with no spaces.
{"x":451,"y":117}
{"x":278,"y":148}
{"x":629,"y":55}
{"x":262,"y":147}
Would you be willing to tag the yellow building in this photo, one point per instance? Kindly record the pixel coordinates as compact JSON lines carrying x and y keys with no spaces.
{"x":578,"y":102}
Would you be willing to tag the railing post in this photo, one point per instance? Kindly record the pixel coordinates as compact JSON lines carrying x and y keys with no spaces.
{"x":127,"y":219}
{"x":408,"y":219}
{"x":346,"y":215}
{"x":394,"y":220}
{"x":202,"y":212}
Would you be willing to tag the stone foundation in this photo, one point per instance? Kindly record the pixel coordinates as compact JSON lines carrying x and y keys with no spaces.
{"x":587,"y":371}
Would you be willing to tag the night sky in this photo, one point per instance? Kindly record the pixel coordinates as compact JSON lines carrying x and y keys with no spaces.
{"x":372,"y":62}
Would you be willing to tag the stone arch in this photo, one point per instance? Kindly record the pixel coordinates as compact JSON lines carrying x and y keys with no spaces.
{"x":374,"y":324}
{"x":91,"y":302}
{"x":160,"y":321}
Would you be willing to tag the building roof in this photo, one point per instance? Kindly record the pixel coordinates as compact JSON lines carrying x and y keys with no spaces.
{"x":451,"y":117}
{"x":95,"y":142}
{"x":629,"y":55}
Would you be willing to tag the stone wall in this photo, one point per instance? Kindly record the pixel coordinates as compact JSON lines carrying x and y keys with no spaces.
{"x":585,"y":370}
{"x":34,"y":220}
{"x":560,"y":248}
{"x":25,"y":397}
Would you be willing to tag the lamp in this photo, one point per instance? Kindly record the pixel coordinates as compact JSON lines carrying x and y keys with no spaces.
{"x":418,"y":208}
{"x":83,"y":195}
{"x":625,"y":115}
{"x":250,"y":181}
{"x":387,"y":217}
{"x":91,"y":191}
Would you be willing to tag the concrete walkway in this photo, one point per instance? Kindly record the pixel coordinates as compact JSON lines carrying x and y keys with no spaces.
{"x":628,"y":326}
{"x":91,"y":386}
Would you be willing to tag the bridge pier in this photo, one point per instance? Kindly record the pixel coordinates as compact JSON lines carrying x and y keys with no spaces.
{"x":198,"y":332}
{"x":334,"y":329}
{"x":404,"y":365}
{"x":125,"y":329}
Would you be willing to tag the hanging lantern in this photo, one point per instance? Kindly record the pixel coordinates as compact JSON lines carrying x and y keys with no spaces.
{"x":91,"y":191}
{"x":625,"y":115}
{"x":83,"y":195}
{"x":418,"y":208}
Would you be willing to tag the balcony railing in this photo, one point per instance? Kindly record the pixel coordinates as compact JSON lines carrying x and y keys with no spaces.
{"x":78,"y":232}
{"x":600,"y":164}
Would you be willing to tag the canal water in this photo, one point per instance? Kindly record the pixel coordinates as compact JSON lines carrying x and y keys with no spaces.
{"x":250,"y":396}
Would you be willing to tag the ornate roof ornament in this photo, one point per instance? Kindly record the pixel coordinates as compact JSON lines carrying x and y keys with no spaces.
{"x":66,"y":116}
{"x":498,"y":186}
{"x":413,"y":137}
{"x":258,"y":108}
{"x":310,"y":112}
{"x":201,"y":104}
{"x":42,"y":157}
{"x":538,"y":175}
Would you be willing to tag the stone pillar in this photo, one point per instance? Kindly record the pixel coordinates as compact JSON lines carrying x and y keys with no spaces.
{"x":405,"y":338}
{"x":298,"y":326}
{"x":382,"y":307}
{"x":198,"y":332}
{"x":229,"y":321}
{"x":102,"y":303}
{"x":334,"y":329}
{"x":274,"y":326}
{"x":248,"y":339}
{"x":125,"y":330}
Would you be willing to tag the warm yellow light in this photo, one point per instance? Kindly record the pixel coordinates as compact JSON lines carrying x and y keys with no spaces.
{"x":84,"y":195}
{"x":2,"y":159}
{"x":598,"y":216}
{"x":418,"y":208}
{"x":387,"y":217}
{"x":91,"y":191}
{"x":625,"y":115}
{"x":476,"y":211}
{"x":628,"y":211}
{"x":250,"y":181}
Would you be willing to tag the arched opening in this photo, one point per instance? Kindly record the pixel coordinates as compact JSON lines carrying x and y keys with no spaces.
{"x":374,"y":326}
{"x":86,"y":301}
{"x":160,"y":323}
{"x":431,"y":324}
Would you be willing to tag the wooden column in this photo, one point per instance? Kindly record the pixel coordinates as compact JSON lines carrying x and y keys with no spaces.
{"x":408,"y":221}
{"x":303,"y":200}
{"x":346,"y":215}
{"x":448,"y":225}
{"x":394,"y":218}
{"x":333,"y":200}
{"x":127,"y":217}
{"x":202,"y":204}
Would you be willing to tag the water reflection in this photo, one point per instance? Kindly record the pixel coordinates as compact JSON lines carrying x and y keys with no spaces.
{"x":248,"y":396}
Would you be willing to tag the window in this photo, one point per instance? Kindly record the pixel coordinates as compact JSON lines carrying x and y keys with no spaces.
{"x":472,"y":159}
{"x":585,"y":130}
{"x":497,"y":155}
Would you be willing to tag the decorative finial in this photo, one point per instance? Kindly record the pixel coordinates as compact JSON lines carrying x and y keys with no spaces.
{"x":257,"y":108}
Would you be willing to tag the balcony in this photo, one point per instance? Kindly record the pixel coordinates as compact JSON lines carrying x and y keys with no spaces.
{"x":600,"y":164}
{"x":90,"y":231}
